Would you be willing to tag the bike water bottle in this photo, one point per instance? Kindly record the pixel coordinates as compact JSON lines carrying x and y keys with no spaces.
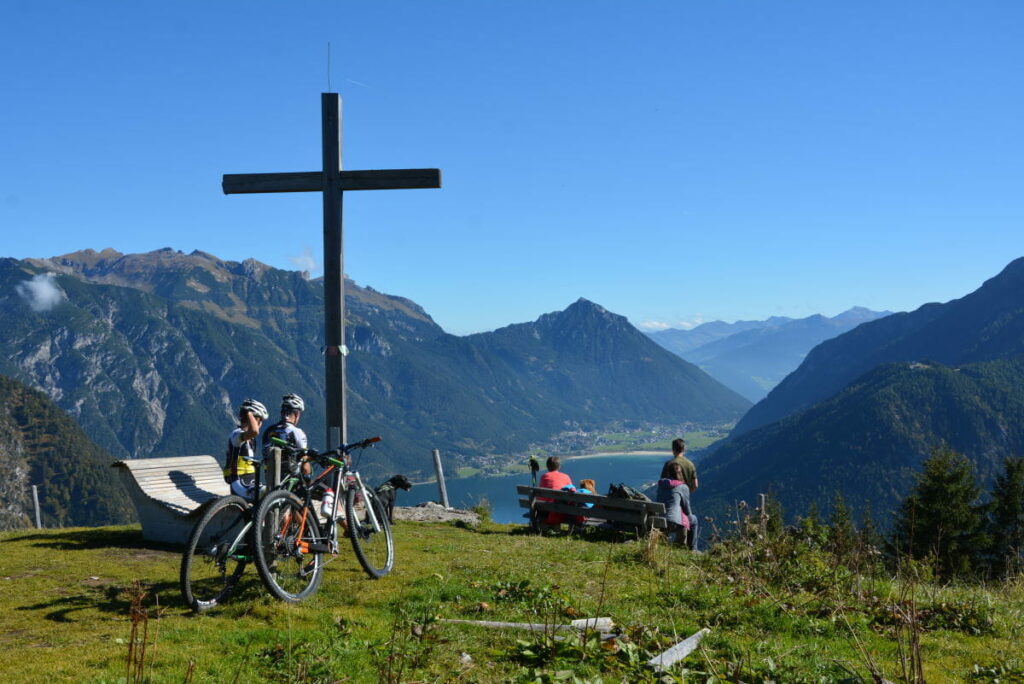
{"x":326,"y":508}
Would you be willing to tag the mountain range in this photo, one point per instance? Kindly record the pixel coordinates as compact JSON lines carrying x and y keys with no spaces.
{"x":151,"y":353}
{"x":984,"y":325}
{"x":865,"y":408}
{"x":751,"y":357}
{"x":680,"y":340}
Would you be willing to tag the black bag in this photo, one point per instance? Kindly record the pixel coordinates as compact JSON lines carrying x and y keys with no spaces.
{"x":624,"y":491}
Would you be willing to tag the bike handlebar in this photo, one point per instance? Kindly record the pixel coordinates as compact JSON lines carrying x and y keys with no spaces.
{"x":313,"y":453}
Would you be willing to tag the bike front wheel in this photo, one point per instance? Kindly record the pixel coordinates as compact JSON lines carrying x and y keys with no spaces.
{"x":288,"y":547}
{"x":374,"y":546}
{"x":216,"y":554}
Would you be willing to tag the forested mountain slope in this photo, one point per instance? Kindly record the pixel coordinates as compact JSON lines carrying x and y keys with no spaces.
{"x":868,"y":440}
{"x":984,"y":325}
{"x":42,"y":445}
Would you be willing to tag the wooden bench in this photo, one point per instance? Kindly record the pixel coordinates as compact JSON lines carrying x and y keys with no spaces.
{"x":638,"y":516}
{"x":169,"y":493}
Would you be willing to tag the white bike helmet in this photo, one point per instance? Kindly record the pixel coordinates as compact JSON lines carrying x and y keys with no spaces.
{"x":255,"y":408}
{"x":292,"y":402}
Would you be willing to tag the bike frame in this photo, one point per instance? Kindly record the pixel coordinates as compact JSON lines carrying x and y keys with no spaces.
{"x":343,"y":478}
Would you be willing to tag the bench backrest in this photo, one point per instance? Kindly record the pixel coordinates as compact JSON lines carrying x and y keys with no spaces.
{"x":168,"y":492}
{"x":652,"y":507}
{"x":607,"y":508}
{"x":181,"y":483}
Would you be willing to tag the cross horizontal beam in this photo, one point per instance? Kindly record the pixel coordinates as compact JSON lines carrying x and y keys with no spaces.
{"x":312,"y":181}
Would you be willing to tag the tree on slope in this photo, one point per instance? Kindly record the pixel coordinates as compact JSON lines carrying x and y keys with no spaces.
{"x":941,"y":518}
{"x":842,"y":536}
{"x":1006,"y":518}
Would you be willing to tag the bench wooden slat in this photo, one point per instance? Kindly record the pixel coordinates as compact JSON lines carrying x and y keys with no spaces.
{"x":183,"y":475}
{"x":149,"y":463}
{"x":155,"y":484}
{"x":652,"y":507}
{"x":191,"y":474}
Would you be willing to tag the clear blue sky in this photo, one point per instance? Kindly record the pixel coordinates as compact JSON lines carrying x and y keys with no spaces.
{"x":673,"y":160}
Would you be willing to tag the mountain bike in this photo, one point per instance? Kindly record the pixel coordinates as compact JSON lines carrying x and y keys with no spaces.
{"x":220,"y":545}
{"x":290,"y":546}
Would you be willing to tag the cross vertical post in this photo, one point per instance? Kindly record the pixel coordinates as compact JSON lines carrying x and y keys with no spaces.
{"x":333,"y":182}
{"x":334,"y":275}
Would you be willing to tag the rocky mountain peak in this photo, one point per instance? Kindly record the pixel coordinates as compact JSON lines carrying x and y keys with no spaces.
{"x":583,"y":311}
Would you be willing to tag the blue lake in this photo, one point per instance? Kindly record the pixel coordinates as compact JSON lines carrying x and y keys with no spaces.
{"x":635,"y":470}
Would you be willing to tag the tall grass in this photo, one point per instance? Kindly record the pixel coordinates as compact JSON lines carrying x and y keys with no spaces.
{"x":782,"y":605}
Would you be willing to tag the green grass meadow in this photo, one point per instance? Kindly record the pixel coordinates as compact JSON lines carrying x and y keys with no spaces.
{"x":66,"y":600}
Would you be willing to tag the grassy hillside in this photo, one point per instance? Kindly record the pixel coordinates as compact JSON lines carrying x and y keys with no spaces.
{"x":790,"y":616}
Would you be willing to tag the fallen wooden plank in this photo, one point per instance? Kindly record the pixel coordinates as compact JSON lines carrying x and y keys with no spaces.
{"x":673,"y":655}
{"x":600,"y":624}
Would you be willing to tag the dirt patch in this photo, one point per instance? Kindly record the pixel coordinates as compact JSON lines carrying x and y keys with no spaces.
{"x":143,"y":554}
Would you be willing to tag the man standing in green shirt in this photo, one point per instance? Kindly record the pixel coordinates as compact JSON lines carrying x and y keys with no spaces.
{"x":689,"y":479}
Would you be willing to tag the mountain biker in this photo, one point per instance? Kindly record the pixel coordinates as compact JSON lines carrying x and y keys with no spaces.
{"x":239,"y":467}
{"x":287,"y":428}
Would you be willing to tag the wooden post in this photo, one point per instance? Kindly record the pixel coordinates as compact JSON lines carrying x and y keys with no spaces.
{"x":440,"y":478}
{"x":275,"y":464}
{"x":763,"y":510}
{"x":334,"y":273}
{"x":35,"y":501}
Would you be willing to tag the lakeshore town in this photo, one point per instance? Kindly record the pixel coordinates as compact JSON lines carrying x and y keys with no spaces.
{"x":625,"y":437}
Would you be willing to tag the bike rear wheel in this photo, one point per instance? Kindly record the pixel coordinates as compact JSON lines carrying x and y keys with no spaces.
{"x":288,"y":547}
{"x":374,"y":549}
{"x":216,"y":553}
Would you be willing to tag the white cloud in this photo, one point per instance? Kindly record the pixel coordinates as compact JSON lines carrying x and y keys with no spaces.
{"x":40,"y":293}
{"x":688,"y":325}
{"x":654,"y":326}
{"x":305,"y":261}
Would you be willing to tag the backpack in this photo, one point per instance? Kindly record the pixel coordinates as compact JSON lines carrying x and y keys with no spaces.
{"x":624,"y":491}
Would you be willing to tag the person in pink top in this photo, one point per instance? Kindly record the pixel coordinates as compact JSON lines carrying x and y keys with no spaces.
{"x":554,"y":479}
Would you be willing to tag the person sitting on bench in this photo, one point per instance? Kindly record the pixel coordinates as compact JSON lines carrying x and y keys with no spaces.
{"x":239,"y":464}
{"x":555,"y":479}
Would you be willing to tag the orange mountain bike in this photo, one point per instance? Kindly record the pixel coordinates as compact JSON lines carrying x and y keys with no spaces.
{"x":293,"y":544}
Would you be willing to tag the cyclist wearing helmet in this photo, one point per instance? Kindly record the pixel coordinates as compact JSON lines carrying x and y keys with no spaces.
{"x":287,"y":428}
{"x":239,"y":469}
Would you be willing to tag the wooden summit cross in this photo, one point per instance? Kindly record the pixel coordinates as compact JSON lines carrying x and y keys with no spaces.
{"x":332,"y":181}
